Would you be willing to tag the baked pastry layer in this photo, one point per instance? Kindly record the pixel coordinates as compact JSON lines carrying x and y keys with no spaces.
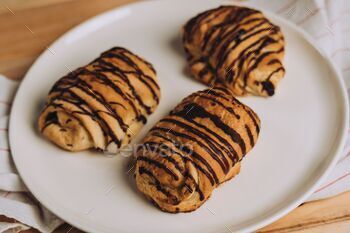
{"x":194,"y":149}
{"x":237,"y":47}
{"x":102,"y":105}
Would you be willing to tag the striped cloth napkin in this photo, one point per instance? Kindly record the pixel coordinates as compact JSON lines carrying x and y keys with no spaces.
{"x":325,"y":20}
{"x":15,"y":200}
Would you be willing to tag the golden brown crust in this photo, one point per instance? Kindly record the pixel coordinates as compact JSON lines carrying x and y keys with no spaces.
{"x":237,"y":47}
{"x":198,"y":146}
{"x":102,"y":105}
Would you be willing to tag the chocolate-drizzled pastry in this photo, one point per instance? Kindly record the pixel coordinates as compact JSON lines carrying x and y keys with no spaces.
{"x":237,"y":47}
{"x":102,"y":105}
{"x":198,"y":146}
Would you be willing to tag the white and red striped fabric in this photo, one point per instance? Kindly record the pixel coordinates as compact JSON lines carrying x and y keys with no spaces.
{"x":325,"y":20}
{"x":15,"y":201}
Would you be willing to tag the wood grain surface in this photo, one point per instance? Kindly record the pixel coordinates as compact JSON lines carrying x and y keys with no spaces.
{"x":28,"y":26}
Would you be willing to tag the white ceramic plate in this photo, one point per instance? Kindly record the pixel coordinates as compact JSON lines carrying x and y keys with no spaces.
{"x":303,"y":128}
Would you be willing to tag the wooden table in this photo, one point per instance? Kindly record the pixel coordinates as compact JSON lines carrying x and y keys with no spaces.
{"x":28,"y":26}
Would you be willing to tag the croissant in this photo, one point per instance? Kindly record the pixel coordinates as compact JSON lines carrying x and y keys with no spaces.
{"x":102,"y":105}
{"x":194,"y":149}
{"x":236,"y":47}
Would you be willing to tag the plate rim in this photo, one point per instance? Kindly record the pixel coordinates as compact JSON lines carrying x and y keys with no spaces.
{"x":336,"y":148}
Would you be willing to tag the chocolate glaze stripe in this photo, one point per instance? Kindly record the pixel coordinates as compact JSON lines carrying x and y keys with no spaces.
{"x":234,"y":155}
{"x":208,"y":16}
{"x":185,"y":154}
{"x":148,"y":78}
{"x":226,"y":91}
{"x":126,"y":58}
{"x":188,"y":187}
{"x":193,"y":153}
{"x":223,"y":35}
{"x":118,"y":104}
{"x":274,"y":61}
{"x":215,"y":94}
{"x":250,"y":135}
{"x":158,"y":165}
{"x":109,"y":129}
{"x":213,"y":16}
{"x":246,"y":57}
{"x":213,"y":148}
{"x":59,"y":106}
{"x":201,"y":112}
{"x":157,"y":184}
{"x":88,"y":90}
{"x":149,"y":65}
{"x":199,"y":191}
{"x":82,"y":111}
{"x":106,"y":128}
{"x":100,"y":61}
{"x":274,"y":72}
{"x":231,"y":153}
{"x":243,"y":56}
{"x":106,"y":81}
{"x":236,"y":25}
{"x":99,"y":98}
{"x":77,"y":90}
{"x":151,"y":145}
{"x":231,"y":98}
{"x":191,"y":25}
{"x":74,"y":103}
{"x":212,"y":30}
{"x":175,"y":201}
{"x":214,"y":100}
{"x":109,"y":67}
{"x":258,"y":61}
{"x":138,"y":71}
{"x":229,"y":40}
{"x":211,"y":177}
{"x":262,"y":56}
{"x":226,"y":49}
{"x":67,"y":81}
{"x":118,"y":90}
{"x":154,"y":147}
{"x":172,"y":142}
{"x":252,"y":117}
{"x":110,"y":112}
{"x":234,"y":35}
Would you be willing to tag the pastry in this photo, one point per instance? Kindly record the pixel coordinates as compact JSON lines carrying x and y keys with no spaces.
{"x":194,"y":149}
{"x":237,"y":47}
{"x":102,"y":105}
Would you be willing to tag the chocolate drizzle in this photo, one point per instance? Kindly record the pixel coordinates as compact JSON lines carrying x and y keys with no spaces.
{"x":118,"y":75}
{"x":199,"y":111}
{"x":211,"y":138}
{"x":231,"y":42}
{"x":159,"y":165}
